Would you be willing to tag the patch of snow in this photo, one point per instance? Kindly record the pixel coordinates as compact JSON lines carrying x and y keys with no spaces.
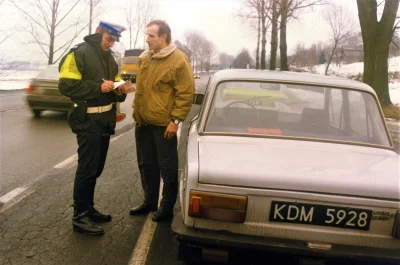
{"x":347,"y":70}
{"x":14,"y":85}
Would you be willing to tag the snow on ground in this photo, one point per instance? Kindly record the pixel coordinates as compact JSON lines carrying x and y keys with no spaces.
{"x":348,"y":70}
{"x":13,"y":79}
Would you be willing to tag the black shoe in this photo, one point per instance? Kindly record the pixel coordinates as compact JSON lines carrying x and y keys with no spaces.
{"x":97,"y":216}
{"x":142,"y":209}
{"x":83,"y":223}
{"x":162,"y":215}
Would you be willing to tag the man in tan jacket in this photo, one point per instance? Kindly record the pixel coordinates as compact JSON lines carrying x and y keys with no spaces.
{"x":163,"y":99}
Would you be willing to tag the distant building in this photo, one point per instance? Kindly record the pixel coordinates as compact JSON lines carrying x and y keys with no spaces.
{"x":352,"y":53}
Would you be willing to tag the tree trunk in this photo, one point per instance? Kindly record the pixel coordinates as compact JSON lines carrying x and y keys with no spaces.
{"x":263,"y":37}
{"x":283,"y":45}
{"x":376,"y":39}
{"x":258,"y":40}
{"x":330,"y":58}
{"x":274,"y":36}
{"x":90,"y":16}
{"x":52,"y":34}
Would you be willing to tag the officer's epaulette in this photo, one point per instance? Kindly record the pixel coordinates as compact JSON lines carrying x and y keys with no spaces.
{"x":76,"y":46}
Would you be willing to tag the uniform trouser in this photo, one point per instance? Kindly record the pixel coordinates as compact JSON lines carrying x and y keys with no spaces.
{"x":155,"y":155}
{"x":92,"y":153}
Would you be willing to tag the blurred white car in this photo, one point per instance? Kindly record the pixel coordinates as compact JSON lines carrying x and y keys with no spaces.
{"x":42,"y":93}
{"x":292,"y":162}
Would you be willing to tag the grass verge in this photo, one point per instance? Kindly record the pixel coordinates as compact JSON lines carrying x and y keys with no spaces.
{"x":392,"y":112}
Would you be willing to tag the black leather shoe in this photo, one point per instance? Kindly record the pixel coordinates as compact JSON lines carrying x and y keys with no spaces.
{"x":83,"y":223}
{"x":142,"y":209}
{"x":162,"y":215}
{"x":97,"y":216}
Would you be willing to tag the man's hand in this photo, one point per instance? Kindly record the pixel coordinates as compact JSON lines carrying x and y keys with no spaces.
{"x":171,"y":130}
{"x":107,"y":86}
{"x":125,"y":88}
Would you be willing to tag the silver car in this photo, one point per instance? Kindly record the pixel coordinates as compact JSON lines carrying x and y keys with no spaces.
{"x":292,"y":162}
{"x":42,"y":93}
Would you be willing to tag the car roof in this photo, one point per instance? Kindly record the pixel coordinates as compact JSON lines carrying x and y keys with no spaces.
{"x":285,"y":76}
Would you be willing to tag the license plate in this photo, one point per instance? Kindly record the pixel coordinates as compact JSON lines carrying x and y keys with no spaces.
{"x":316,"y":214}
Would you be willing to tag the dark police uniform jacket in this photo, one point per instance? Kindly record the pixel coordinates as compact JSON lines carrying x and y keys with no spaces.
{"x":82,"y":72}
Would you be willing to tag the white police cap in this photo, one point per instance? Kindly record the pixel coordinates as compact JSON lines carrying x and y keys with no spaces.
{"x":113,"y":29}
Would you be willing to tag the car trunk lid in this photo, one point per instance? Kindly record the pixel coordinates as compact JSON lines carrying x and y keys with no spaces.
{"x":295,"y":165}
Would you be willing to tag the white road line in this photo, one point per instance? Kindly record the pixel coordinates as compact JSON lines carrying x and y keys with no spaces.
{"x":67,"y":161}
{"x":117,"y":137}
{"x":141,"y":250}
{"x":71,"y":161}
{"x":12,"y":194}
{"x":139,"y":253}
{"x":26,"y":194}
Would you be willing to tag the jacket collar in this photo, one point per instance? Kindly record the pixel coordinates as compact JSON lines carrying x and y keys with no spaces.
{"x":95,"y":41}
{"x":162,"y":54}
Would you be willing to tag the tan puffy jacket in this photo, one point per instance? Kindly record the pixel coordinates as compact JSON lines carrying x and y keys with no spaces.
{"x":164,"y":87}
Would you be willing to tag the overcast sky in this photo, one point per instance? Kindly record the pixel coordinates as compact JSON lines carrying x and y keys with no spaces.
{"x":215,"y":18}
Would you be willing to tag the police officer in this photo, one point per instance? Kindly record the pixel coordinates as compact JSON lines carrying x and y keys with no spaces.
{"x":87,"y":75}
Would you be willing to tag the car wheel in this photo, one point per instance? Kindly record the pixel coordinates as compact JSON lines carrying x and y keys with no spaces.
{"x":37,"y":112}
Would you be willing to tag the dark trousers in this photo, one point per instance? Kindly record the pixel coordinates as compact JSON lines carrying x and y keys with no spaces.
{"x":155,"y":155}
{"x":92,"y":153}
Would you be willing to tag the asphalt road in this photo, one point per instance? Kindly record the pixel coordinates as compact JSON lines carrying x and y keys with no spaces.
{"x":30,"y":147}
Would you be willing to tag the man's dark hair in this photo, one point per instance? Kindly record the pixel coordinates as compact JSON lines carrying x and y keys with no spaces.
{"x":162,"y":28}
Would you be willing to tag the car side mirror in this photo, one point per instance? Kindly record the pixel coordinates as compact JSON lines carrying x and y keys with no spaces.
{"x":198,"y":99}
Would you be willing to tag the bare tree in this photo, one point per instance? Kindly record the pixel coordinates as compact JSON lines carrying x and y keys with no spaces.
{"x":225,"y":61}
{"x":377,"y":36}
{"x":138,"y":14}
{"x":242,"y":60}
{"x":46,"y":18}
{"x":92,"y":6}
{"x":251,"y":14}
{"x":289,"y":9}
{"x":194,"y":40}
{"x":274,"y":34}
{"x":342,"y":25}
{"x":256,"y":12}
{"x":205,"y":54}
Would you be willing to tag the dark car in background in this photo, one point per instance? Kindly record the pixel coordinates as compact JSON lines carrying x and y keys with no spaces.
{"x":42,"y":93}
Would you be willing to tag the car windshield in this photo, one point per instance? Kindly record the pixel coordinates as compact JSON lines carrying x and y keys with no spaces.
{"x":50,"y":72}
{"x":294,"y":110}
{"x":131,"y":60}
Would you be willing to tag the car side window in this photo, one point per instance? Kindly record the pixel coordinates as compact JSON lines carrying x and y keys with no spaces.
{"x":205,"y":99}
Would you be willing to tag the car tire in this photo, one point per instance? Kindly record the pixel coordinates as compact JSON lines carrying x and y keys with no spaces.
{"x":36,"y":112}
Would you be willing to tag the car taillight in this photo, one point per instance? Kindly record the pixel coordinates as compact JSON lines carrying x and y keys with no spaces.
{"x":30,"y":88}
{"x":396,"y":226}
{"x":217,"y":206}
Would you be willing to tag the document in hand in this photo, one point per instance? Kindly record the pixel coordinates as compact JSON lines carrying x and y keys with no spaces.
{"x":117,"y":84}
{"x":129,"y":89}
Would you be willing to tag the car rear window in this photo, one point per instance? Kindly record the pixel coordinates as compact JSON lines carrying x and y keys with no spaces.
{"x":296,"y":110}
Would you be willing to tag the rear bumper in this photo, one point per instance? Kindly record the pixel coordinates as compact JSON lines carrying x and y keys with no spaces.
{"x":49,"y":103}
{"x":227,"y":240}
